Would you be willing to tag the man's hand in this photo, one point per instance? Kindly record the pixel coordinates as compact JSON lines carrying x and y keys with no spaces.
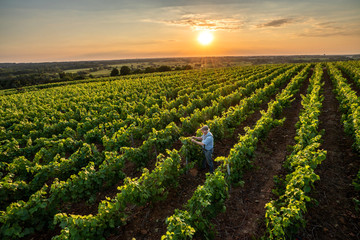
{"x":196,"y":138}
{"x":199,"y":143}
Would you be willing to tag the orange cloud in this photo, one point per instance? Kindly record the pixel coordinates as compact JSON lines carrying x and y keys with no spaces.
{"x":202,"y":22}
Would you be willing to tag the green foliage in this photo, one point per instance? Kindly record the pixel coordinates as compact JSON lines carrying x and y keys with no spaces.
{"x":37,"y":209}
{"x":114,"y":72}
{"x":179,"y":226}
{"x":125,"y":70}
{"x":190,"y":151}
{"x":350,"y":107}
{"x":164,"y":68}
{"x":351,"y":70}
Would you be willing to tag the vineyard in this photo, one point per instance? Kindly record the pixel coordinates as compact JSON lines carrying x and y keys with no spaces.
{"x":111,"y":158}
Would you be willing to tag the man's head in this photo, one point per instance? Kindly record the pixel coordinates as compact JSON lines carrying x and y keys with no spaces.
{"x":205,"y":129}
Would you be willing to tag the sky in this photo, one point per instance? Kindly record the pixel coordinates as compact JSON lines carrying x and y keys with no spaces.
{"x":72,"y":30}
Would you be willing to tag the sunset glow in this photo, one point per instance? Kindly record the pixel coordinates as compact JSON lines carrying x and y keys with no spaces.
{"x":205,"y":37}
{"x":39,"y":30}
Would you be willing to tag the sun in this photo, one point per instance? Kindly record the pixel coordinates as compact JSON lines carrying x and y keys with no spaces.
{"x":205,"y":37}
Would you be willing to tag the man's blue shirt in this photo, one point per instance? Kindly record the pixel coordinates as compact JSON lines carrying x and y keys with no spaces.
{"x":208,"y":140}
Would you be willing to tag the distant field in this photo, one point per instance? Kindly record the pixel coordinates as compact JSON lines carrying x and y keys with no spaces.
{"x":112,"y":157}
{"x":102,"y":72}
{"x":155,"y":64}
{"x":77,"y":70}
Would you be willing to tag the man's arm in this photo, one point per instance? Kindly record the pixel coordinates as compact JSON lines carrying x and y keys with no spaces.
{"x":199,"y":143}
{"x":197,"y":138}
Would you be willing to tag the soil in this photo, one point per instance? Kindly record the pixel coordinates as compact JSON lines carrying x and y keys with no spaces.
{"x":334,"y":217}
{"x":244,"y":216}
{"x":44,"y":235}
{"x":100,"y":147}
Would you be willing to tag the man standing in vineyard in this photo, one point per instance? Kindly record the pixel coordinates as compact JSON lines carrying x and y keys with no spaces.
{"x":207,"y":143}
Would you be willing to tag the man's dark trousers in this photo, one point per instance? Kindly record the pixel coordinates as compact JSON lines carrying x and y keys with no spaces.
{"x":208,"y":160}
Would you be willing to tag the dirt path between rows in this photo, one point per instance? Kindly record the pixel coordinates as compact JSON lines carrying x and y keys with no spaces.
{"x":335,"y":216}
{"x":149,"y":222}
{"x":244,"y":216}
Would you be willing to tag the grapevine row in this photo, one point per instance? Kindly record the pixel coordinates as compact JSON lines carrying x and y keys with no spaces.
{"x":285,"y":215}
{"x":351,"y":71}
{"x":350,"y":107}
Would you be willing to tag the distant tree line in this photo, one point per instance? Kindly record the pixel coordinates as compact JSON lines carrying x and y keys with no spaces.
{"x":125,"y":70}
{"x":21,"y":80}
{"x":21,"y":75}
{"x":17,"y":75}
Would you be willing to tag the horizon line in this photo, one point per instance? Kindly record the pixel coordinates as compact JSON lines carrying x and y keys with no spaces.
{"x":169,"y":57}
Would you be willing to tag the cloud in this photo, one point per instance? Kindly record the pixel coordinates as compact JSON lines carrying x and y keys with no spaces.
{"x":203,"y":22}
{"x":329,"y":24}
{"x":277,"y":22}
{"x":323,"y":33}
{"x":330,"y":28}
